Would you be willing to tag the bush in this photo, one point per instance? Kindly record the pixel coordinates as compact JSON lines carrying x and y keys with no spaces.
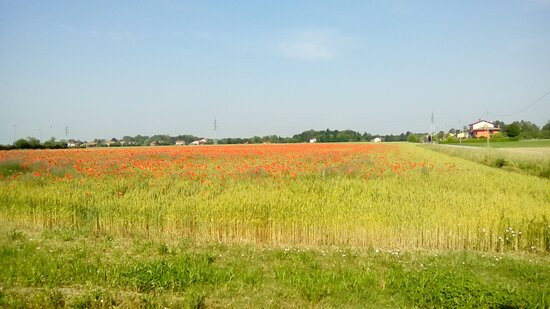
{"x":413,"y":138}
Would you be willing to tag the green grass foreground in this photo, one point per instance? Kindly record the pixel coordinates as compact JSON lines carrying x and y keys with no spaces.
{"x":77,"y":268}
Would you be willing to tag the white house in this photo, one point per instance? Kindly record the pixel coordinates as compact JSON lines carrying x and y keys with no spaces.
{"x":199,"y":142}
{"x":483,"y":128}
{"x":377,"y":140}
{"x":180,"y":143}
{"x":313,"y":140}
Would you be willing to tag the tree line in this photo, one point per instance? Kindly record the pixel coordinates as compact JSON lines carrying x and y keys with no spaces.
{"x":522,"y":129}
{"x":322,"y":136}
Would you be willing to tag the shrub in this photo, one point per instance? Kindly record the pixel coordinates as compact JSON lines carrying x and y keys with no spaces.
{"x":412,"y":138}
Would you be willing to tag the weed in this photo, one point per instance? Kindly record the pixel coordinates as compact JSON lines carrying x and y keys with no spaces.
{"x":11,"y":166}
{"x":16,"y":235}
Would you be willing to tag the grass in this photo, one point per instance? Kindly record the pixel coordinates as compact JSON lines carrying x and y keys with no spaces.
{"x":283,"y":226}
{"x":514,"y":144}
{"x":41,"y":268}
{"x":10,"y":167}
{"x":531,"y":163}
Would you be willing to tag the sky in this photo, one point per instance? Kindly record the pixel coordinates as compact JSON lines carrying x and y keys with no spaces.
{"x":112,"y":68}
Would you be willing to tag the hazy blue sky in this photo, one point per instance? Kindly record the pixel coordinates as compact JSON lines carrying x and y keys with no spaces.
{"x":113,"y":68}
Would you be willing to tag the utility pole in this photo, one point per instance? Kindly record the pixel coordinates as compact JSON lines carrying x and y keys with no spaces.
{"x":215,"y":131}
{"x":488,"y":133}
{"x":66,"y":131}
{"x":432,"y":129}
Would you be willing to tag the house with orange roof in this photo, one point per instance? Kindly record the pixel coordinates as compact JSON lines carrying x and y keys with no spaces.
{"x":482,"y":128}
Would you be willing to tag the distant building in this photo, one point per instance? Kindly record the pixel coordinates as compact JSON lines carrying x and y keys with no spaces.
{"x":73,"y":143}
{"x":199,"y":142}
{"x":127,"y":143}
{"x":180,"y":143}
{"x":377,"y":140}
{"x":313,"y":140}
{"x":482,"y":128}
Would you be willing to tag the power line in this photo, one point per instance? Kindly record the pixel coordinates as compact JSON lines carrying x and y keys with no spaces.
{"x":524,"y":109}
{"x":485,"y":114}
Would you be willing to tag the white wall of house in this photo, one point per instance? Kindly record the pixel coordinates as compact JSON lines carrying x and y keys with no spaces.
{"x":482,"y":125}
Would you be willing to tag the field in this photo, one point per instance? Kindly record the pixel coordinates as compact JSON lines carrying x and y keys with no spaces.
{"x":515,"y":144}
{"x":277,"y":225}
{"x":528,"y":160}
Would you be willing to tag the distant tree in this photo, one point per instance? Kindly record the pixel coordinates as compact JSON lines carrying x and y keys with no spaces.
{"x":28,"y":143}
{"x":545,"y":131}
{"x":513,"y":129}
{"x":22,"y":144}
{"x":528,"y":129}
{"x":141,"y":140}
{"x":53,"y":144}
{"x":100,"y":142}
{"x":499,"y":124}
{"x":412,"y":138}
{"x":161,"y":139}
{"x":34,"y":142}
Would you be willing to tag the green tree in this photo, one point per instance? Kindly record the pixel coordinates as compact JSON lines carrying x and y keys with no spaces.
{"x":513,"y":129}
{"x":22,"y":144}
{"x":412,"y":138}
{"x":545,"y":131}
{"x":28,"y":143}
{"x":528,"y":129}
{"x":53,"y":144}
